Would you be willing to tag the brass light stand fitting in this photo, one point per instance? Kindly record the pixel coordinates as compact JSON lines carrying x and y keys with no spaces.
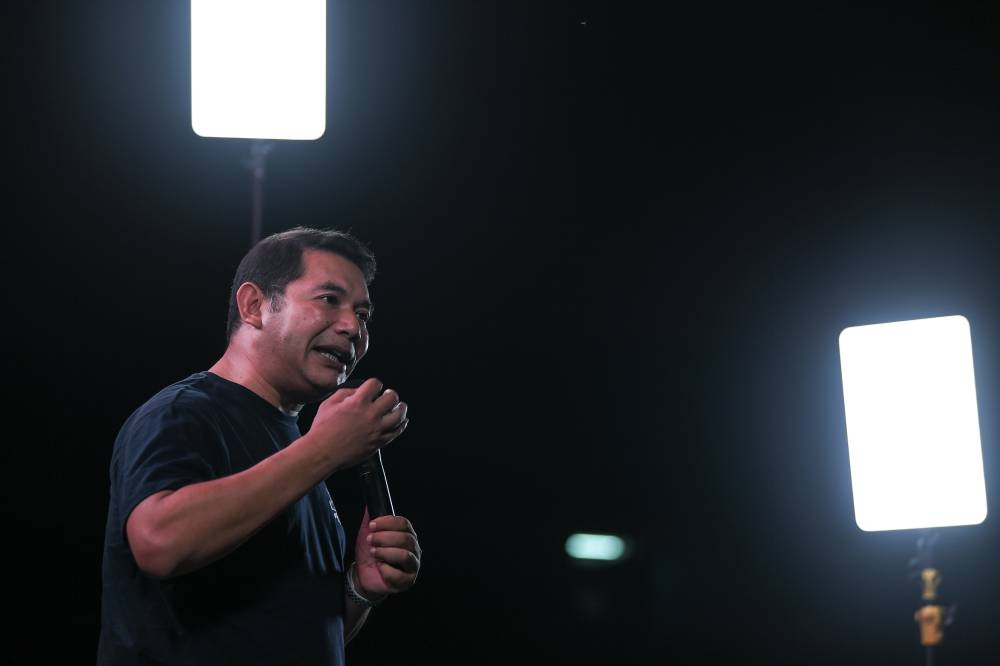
{"x":931,"y":616}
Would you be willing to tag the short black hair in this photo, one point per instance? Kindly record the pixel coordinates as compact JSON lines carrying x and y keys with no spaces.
{"x":277,"y":260}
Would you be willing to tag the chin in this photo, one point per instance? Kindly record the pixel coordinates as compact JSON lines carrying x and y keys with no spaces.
{"x":327,"y":386}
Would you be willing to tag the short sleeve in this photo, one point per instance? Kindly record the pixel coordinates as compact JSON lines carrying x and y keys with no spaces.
{"x":163,"y":446}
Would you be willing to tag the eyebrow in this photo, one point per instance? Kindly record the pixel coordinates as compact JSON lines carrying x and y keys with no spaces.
{"x":334,"y":287}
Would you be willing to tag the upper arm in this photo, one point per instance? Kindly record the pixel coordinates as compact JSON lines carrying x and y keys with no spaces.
{"x":163,"y":447}
{"x":141,"y":533}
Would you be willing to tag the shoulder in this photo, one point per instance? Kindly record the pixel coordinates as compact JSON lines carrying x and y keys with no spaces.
{"x":184,"y":405}
{"x":171,"y":440}
{"x":192,"y":395}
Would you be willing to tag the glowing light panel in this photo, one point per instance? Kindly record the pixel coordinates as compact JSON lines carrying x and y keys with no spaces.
{"x":913,"y":424}
{"x":595,"y":547}
{"x":258,"y":68}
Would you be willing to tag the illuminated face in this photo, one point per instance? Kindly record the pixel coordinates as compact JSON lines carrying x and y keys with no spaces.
{"x":319,"y":331}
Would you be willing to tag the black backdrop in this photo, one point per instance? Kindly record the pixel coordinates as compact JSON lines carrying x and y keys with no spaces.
{"x":617,"y":246}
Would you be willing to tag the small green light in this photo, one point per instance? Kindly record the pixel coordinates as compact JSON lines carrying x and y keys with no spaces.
{"x":595,"y":547}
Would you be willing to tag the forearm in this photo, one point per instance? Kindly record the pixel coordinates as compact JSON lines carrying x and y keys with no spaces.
{"x":175,"y":532}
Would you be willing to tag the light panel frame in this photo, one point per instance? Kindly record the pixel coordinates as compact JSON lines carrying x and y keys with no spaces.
{"x":258,"y":69}
{"x":913,"y":424}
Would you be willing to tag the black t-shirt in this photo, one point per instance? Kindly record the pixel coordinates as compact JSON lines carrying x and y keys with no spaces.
{"x":277,"y":599}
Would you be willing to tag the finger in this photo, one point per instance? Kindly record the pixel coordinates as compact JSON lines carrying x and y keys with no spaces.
{"x":400,"y":558}
{"x":397,"y":558}
{"x":387,"y":437}
{"x":387,"y":401}
{"x":403,"y":559}
{"x":364,"y":518}
{"x":342,"y":393}
{"x":396,"y":580}
{"x":395,"y":416}
{"x":392,"y":524}
{"x":405,"y":540}
{"x":393,"y":420}
{"x":369,"y":389}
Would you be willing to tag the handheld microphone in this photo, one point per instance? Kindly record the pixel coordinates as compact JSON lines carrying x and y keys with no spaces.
{"x":372,"y":475}
{"x":376,"y":487}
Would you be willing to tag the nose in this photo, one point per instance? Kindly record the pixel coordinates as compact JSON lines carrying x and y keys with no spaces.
{"x":348,"y":325}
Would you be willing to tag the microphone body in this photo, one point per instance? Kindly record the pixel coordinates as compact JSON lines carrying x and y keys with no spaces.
{"x":372,"y":476}
{"x":376,"y":487}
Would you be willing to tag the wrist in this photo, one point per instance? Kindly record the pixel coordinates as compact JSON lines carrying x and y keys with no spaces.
{"x":356,"y":593}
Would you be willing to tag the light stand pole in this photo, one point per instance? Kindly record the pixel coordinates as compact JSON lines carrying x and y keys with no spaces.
{"x":931,"y":616}
{"x":257,"y":166}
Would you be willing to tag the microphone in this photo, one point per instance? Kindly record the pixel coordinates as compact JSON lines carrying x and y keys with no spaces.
{"x":372,"y":475}
{"x":376,"y":487}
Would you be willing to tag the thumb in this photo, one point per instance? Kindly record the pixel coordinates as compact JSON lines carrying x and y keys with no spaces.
{"x":363,"y":531}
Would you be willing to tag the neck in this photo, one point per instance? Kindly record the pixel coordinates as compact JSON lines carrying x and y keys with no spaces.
{"x":239,"y":369}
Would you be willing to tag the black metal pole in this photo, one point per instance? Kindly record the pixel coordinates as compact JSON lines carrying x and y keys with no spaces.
{"x":930,"y":616}
{"x":257,"y":164}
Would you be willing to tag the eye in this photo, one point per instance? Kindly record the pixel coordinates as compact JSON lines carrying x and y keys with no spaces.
{"x":363,"y":315}
{"x":330,"y":298}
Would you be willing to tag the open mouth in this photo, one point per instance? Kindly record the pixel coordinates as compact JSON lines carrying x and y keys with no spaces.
{"x":338,"y":356}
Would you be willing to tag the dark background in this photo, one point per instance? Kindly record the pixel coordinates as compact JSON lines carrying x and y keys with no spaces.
{"x":617,"y":244}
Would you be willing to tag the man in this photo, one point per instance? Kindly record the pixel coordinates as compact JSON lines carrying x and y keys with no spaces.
{"x":223,"y":545}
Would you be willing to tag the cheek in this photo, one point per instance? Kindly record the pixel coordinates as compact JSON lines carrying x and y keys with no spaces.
{"x":314,"y":323}
{"x":363,"y":344}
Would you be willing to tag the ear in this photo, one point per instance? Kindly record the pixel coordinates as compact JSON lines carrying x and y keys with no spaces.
{"x":250,"y":300}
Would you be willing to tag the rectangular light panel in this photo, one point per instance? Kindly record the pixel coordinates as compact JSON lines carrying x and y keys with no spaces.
{"x":913,"y":424}
{"x":258,"y":68}
{"x":595,"y":547}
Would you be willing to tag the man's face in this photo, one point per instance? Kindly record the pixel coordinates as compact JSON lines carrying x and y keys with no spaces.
{"x":319,"y":331}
